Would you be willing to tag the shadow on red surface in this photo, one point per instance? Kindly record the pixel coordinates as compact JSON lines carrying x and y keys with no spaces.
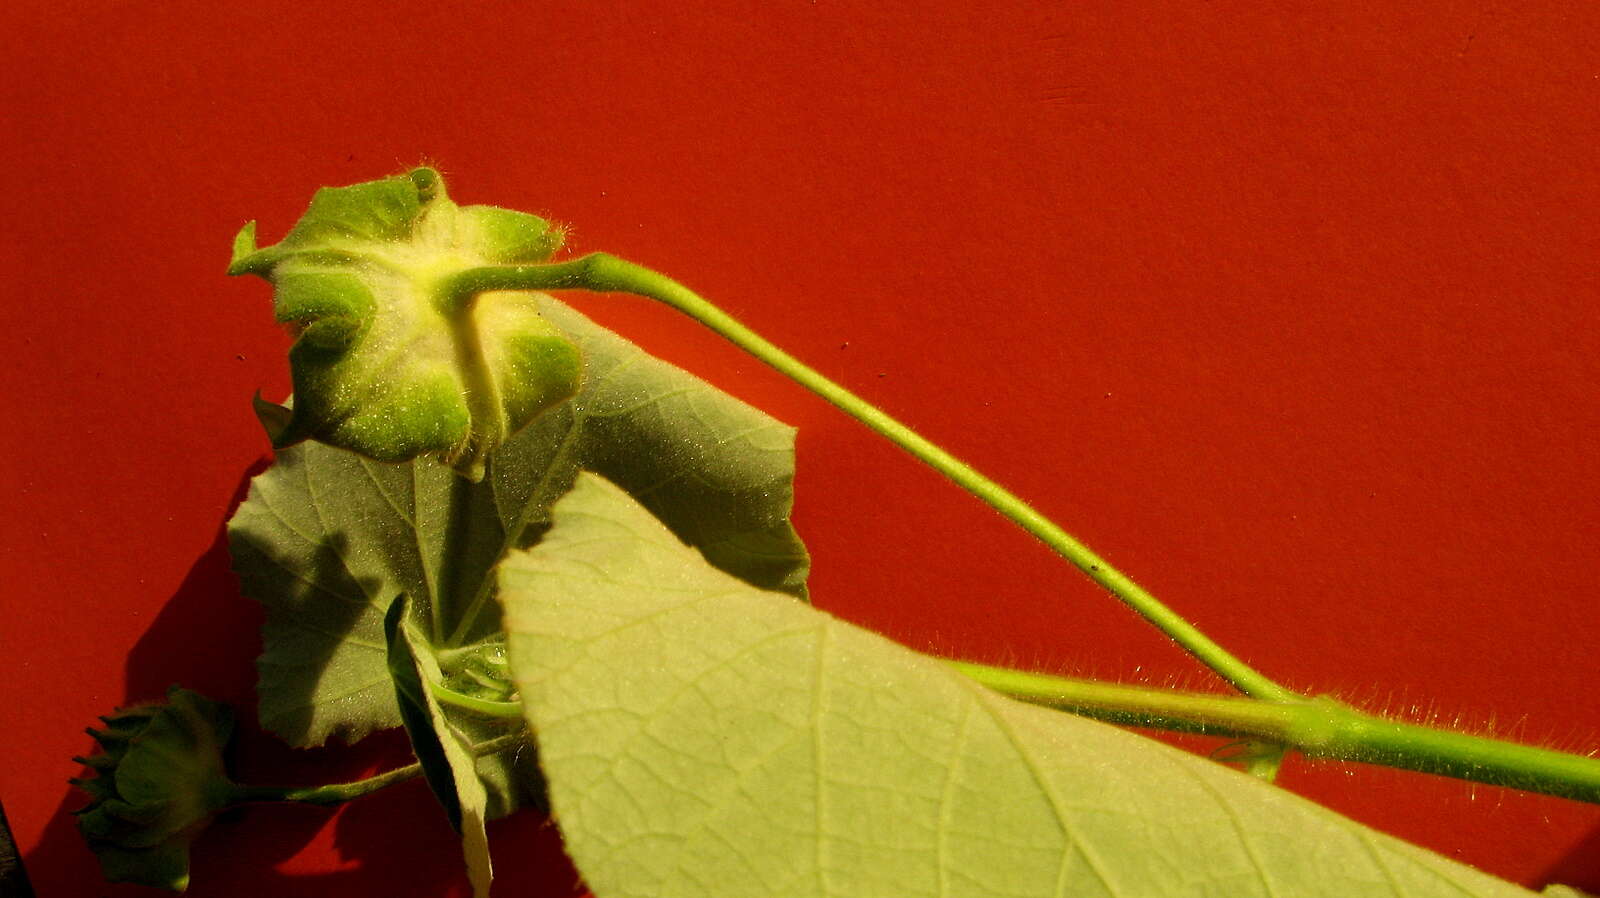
{"x":1580,"y":867}
{"x":395,"y":842}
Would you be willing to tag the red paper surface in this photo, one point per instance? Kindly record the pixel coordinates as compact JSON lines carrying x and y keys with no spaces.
{"x":1289,"y":311}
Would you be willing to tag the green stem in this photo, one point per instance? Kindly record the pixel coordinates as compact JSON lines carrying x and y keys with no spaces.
{"x":338,"y":793}
{"x":1316,"y":727}
{"x":482,"y":393}
{"x":606,"y":273}
{"x":447,"y":696}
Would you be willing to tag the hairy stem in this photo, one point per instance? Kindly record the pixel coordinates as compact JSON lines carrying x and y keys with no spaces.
{"x":338,"y":793}
{"x":1318,"y":727}
{"x":606,"y":273}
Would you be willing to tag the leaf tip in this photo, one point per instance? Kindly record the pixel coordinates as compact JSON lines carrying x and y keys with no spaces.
{"x":247,"y":258}
{"x":276,"y":420}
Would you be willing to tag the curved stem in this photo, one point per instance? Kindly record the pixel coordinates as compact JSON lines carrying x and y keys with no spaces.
{"x":338,"y":793}
{"x":1316,"y":727}
{"x":447,"y":696}
{"x":606,"y":273}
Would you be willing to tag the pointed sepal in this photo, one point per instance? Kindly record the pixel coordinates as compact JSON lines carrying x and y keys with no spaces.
{"x":386,"y":361}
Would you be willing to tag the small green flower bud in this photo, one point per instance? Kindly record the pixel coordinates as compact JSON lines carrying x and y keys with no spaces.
{"x":387,"y":362}
{"x":158,"y":783}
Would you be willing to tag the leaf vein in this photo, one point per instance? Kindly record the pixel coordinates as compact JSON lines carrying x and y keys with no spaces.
{"x":1057,"y":807}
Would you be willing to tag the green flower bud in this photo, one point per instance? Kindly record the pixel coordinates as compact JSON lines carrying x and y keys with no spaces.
{"x":159,"y":782}
{"x":386,"y":361}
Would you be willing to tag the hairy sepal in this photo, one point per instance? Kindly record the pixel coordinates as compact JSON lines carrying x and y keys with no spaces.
{"x":387,"y":362}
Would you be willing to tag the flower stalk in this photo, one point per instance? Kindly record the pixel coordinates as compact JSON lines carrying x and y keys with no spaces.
{"x":1319,"y":728}
{"x":605,"y":273}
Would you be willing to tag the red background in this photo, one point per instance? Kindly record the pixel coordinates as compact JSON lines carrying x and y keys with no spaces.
{"x":1289,"y":310}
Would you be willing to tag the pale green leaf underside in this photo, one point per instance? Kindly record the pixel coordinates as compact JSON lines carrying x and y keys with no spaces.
{"x":468,"y":797}
{"x":700,"y":737}
{"x":326,"y":538}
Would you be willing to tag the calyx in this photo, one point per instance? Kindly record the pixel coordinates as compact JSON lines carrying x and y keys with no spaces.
{"x":388,"y":360}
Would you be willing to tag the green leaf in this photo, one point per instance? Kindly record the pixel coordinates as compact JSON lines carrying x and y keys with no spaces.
{"x":700,"y":736}
{"x":387,"y":362}
{"x":428,"y":731}
{"x":327,"y":538}
{"x":445,"y":754}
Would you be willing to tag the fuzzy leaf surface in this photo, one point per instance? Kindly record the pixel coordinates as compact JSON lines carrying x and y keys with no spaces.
{"x":327,"y":538}
{"x":703,"y":737}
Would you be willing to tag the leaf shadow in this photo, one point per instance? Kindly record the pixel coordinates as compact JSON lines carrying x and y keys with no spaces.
{"x":295,"y":710}
{"x":1579,"y":867}
{"x":395,"y":842}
